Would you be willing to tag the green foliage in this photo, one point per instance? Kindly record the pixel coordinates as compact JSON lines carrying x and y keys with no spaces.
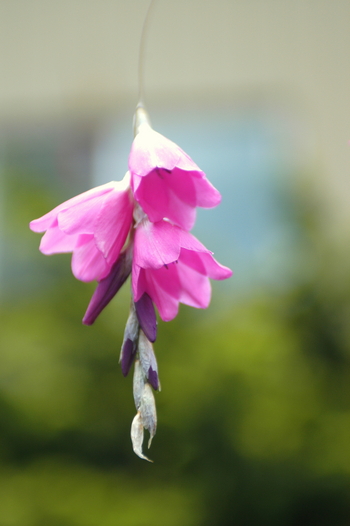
{"x":254,"y":412}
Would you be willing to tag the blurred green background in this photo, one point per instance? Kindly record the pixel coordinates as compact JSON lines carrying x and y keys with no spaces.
{"x":254,"y":412}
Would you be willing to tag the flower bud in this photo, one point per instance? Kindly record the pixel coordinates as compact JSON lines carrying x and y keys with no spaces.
{"x":147,"y":316}
{"x":137,"y":437}
{"x":148,"y":360}
{"x":129,"y":346}
{"x":108,"y":287}
{"x":138,"y":384}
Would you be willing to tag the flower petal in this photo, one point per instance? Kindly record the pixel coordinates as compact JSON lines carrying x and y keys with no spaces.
{"x":160,"y":200}
{"x":207,"y":195}
{"x":165,"y":180}
{"x":156,"y":244}
{"x":163,"y":287}
{"x":43,"y":223}
{"x":113,"y":223}
{"x":195,"y":287}
{"x":54,"y":241}
{"x":88,"y":263}
{"x":150,"y":149}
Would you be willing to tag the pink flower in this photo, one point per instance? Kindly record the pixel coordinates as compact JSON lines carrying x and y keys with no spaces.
{"x":93,"y":225}
{"x":172,"y":267}
{"x":165,"y":180}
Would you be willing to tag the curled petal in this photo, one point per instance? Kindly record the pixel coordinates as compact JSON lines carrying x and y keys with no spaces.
{"x":137,"y":434}
{"x":148,"y":412}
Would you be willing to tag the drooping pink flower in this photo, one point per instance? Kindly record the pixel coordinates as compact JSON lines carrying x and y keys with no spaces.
{"x":93,"y":225}
{"x":172,"y":267}
{"x":165,"y":180}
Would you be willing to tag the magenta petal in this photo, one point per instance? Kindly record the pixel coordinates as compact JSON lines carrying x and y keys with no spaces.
{"x":180,"y":212}
{"x":203,"y":262}
{"x":195,"y":287}
{"x":156,"y":244}
{"x":186,"y":280}
{"x":152,"y":194}
{"x":207,"y":195}
{"x":214,"y":269}
{"x":56,"y":242}
{"x":151,"y":149}
{"x":108,"y":288}
{"x":166,"y":182}
{"x":163,"y":287}
{"x":88,"y":263}
{"x":113,"y":223}
{"x":190,"y":242}
{"x":81,"y":218}
{"x":44,"y":222}
{"x":182,"y":185}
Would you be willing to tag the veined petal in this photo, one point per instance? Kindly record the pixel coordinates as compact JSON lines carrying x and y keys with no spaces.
{"x":181,"y":184}
{"x":204,"y":263}
{"x":163,"y":287}
{"x":214,"y":269}
{"x":150,"y":149}
{"x":151,"y":193}
{"x":165,"y":180}
{"x":113,"y":223}
{"x":43,"y":223}
{"x":207,"y":195}
{"x":186,"y":280}
{"x":54,"y":241}
{"x":190,"y":242}
{"x":156,"y":244}
{"x":81,"y":218}
{"x":88,"y":263}
{"x":195,"y":287}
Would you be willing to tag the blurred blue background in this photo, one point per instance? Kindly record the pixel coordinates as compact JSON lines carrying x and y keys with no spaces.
{"x":254,"y":412}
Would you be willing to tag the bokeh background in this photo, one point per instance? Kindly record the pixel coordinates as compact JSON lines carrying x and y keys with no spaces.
{"x":254,"y":413}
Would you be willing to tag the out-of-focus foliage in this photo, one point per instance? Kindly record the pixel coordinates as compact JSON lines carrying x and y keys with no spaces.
{"x":254,"y":414}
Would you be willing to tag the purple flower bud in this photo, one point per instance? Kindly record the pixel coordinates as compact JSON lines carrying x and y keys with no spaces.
{"x":148,"y":360}
{"x":129,"y":346}
{"x":127,"y":356}
{"x":153,"y":378}
{"x":108,"y":287}
{"x":147,"y":316}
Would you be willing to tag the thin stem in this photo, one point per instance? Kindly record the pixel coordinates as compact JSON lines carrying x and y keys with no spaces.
{"x":142,"y":53}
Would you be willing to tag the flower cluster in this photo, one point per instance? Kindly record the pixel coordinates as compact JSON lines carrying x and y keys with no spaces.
{"x":140,"y":226}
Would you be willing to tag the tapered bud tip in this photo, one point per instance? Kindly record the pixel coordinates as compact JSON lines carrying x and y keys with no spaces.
{"x":141,"y":117}
{"x":147,"y":316}
{"x":108,"y":288}
{"x":153,"y":378}
{"x":127,"y":356}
